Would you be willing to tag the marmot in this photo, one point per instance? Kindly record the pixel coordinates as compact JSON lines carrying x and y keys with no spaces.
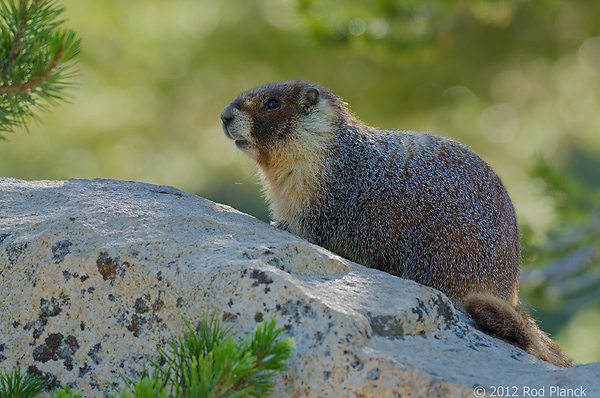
{"x":415,"y":205}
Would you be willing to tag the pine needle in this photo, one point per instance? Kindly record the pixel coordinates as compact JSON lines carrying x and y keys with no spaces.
{"x":36,"y":57}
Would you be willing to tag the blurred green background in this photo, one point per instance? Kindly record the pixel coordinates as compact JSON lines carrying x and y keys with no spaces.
{"x":517,"y":81}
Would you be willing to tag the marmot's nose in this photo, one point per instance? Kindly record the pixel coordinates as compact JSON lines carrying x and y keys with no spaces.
{"x":228,"y":111}
{"x":227,"y":114}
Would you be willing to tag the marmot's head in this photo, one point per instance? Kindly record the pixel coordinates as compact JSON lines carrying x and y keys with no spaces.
{"x":281,"y":118}
{"x":289,"y":130}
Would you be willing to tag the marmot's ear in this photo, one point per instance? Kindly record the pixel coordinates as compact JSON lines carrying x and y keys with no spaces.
{"x":310,"y":95}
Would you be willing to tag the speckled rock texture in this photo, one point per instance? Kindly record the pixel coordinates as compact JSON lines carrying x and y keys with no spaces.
{"x":95,"y":273}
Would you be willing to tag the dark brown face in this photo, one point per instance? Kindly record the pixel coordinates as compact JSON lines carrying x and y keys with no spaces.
{"x":267,"y":116}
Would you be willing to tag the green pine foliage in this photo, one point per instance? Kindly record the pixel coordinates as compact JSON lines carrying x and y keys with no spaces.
{"x":211,"y":363}
{"x":16,"y":385}
{"x":65,"y":393}
{"x":150,"y":385}
{"x":36,"y":56}
{"x":208,"y":363}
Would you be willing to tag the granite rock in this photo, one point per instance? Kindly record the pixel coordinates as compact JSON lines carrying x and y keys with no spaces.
{"x":95,"y":273}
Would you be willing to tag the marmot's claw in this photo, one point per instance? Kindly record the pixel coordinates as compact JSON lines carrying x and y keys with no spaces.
{"x":277,"y":224}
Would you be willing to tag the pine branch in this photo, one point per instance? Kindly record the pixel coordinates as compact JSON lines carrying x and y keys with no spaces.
{"x":211,"y":363}
{"x":35,"y":59}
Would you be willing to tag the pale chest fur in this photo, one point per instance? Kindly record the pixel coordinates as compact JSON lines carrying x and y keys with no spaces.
{"x":294,"y":175}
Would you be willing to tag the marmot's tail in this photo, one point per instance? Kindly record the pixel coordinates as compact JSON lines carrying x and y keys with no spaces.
{"x":514,"y":325}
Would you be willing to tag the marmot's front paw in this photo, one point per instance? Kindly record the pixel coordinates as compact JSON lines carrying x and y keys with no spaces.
{"x":277,"y":224}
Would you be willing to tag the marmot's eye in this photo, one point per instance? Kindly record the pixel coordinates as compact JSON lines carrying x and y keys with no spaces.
{"x":272,"y":104}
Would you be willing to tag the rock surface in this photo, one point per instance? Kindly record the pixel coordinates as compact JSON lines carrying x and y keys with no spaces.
{"x":95,"y":273}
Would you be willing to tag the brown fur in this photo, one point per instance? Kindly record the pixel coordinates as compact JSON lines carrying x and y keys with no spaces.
{"x":412,"y":204}
{"x":514,"y":325}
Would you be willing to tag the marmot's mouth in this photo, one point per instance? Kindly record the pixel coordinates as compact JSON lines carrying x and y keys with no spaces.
{"x":241,"y":144}
{"x":227,"y":134}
